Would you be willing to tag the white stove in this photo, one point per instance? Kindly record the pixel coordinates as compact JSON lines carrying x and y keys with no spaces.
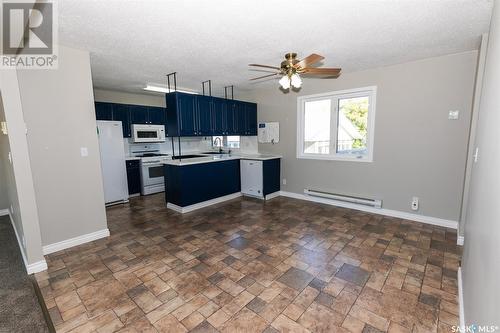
{"x":152,"y":175}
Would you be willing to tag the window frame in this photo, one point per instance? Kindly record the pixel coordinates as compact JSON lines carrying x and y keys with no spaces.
{"x":334,"y":96}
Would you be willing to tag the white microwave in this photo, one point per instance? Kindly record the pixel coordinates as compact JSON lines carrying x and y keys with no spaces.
{"x":148,"y":133}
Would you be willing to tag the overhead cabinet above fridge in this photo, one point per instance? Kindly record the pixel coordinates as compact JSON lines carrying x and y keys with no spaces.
{"x":130,"y":114}
{"x":198,"y":115}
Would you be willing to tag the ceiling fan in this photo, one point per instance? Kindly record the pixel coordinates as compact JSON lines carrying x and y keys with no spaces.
{"x":291,"y":68}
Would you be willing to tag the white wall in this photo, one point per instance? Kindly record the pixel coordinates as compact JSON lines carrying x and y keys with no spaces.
{"x":111,"y":96}
{"x":58,"y":107}
{"x":481,"y":257}
{"x":417,"y":150}
{"x":18,"y":186}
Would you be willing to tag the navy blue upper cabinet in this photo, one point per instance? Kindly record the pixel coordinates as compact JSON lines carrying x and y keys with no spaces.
{"x":195,"y":115}
{"x":104,"y":111}
{"x":219,"y":114}
{"x":157,"y":115}
{"x":204,"y":115}
{"x":181,"y":114}
{"x":121,"y":112}
{"x":130,"y":114}
{"x":250,"y":118}
{"x":138,"y":114}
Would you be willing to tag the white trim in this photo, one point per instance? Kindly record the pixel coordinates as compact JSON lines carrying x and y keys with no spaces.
{"x":65,"y":244}
{"x":382,"y":211}
{"x":335,"y":96}
{"x":202,"y":204}
{"x":272,"y":195}
{"x":35,"y":267}
{"x":461,"y":311}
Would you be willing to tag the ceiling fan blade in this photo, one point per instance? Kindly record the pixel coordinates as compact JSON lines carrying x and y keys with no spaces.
{"x":261,"y":77}
{"x":265,"y":66}
{"x":321,"y":71}
{"x":309,"y":60}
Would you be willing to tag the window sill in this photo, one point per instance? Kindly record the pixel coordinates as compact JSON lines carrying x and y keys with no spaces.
{"x":334,"y":158}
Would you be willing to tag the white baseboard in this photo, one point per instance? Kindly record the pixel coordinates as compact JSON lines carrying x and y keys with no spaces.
{"x":461,"y":311}
{"x":35,"y":267}
{"x":65,"y":244}
{"x":4,"y":212}
{"x":273,"y":195}
{"x":202,"y":204}
{"x":382,"y":211}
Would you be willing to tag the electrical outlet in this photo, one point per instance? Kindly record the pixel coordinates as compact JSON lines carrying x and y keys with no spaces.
{"x":414,"y":203}
{"x":284,"y":181}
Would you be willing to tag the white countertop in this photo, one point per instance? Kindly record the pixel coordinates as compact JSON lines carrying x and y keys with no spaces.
{"x":130,"y":158}
{"x":218,"y":158}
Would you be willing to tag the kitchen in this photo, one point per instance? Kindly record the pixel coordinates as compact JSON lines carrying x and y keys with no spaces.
{"x":150,"y":149}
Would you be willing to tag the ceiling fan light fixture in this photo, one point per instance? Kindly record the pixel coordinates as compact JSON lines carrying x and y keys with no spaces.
{"x":285,"y":82}
{"x":296,"y":81}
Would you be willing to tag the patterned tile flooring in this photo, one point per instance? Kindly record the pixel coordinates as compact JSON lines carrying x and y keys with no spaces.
{"x":250,"y":266}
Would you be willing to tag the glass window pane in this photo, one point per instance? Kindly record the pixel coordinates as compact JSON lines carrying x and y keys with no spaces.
{"x":352,"y":126}
{"x":233,"y":141}
{"x":317,"y":127}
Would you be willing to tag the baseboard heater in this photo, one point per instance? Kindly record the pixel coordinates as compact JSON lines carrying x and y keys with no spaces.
{"x":344,"y":198}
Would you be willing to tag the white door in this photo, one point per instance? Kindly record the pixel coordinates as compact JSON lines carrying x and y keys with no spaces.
{"x":251,"y":177}
{"x":113,"y":167}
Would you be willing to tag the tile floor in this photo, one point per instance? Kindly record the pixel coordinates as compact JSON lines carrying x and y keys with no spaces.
{"x":248,"y":266}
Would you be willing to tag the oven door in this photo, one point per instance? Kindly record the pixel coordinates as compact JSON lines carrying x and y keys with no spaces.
{"x":152,"y":174}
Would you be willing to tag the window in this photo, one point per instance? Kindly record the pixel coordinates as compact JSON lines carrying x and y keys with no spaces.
{"x":337,"y":125}
{"x":232,"y":142}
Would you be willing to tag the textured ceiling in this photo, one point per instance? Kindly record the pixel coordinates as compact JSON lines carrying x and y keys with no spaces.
{"x":135,"y":42}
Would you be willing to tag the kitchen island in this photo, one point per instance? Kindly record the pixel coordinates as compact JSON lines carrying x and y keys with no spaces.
{"x":198,"y":182}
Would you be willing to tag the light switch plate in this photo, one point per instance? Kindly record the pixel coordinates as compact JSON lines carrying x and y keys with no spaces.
{"x":84,"y":151}
{"x":453,"y":114}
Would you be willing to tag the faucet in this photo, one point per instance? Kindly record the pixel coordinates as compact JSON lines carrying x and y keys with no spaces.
{"x":220,"y":146}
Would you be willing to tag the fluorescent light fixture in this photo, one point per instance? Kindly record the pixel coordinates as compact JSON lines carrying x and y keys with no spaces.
{"x":163,"y":89}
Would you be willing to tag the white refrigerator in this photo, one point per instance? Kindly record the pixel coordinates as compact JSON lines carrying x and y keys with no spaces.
{"x":114,"y":173}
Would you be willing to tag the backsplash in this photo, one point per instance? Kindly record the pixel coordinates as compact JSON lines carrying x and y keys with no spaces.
{"x":248,"y":144}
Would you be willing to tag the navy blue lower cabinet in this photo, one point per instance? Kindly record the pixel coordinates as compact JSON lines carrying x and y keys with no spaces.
{"x":271,"y":170}
{"x":191,"y":184}
{"x":133,"y":176}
